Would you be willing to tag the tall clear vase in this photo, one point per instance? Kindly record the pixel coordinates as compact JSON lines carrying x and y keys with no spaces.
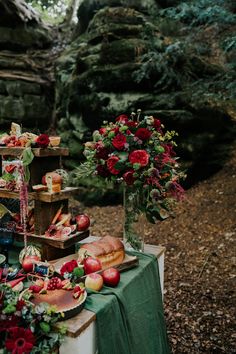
{"x":134,"y":218}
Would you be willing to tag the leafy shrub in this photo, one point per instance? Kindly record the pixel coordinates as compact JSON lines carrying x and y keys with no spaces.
{"x":200,"y":12}
{"x":229,"y":44}
{"x":167,"y":67}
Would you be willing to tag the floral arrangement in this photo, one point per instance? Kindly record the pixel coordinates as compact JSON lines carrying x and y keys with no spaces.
{"x":25,"y":328}
{"x":137,"y":152}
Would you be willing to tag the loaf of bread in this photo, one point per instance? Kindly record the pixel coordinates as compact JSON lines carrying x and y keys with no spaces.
{"x":109,"y":250}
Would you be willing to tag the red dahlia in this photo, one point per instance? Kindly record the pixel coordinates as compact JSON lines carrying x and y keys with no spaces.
{"x":19,"y":340}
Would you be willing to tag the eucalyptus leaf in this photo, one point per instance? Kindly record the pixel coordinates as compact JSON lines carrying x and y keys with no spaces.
{"x":8,"y":177}
{"x":26,"y":174}
{"x":27,"y":156}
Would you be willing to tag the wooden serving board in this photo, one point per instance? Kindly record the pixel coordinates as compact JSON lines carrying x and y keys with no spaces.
{"x":128,"y":262}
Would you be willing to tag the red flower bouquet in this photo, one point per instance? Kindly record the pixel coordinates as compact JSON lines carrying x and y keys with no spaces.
{"x":138,"y":153}
{"x":25,"y":328}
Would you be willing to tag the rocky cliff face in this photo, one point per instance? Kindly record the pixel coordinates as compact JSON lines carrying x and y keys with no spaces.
{"x":136,"y":54}
{"x":26,"y":79}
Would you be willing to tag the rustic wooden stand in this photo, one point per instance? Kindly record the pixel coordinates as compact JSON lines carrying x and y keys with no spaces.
{"x":45,"y":204}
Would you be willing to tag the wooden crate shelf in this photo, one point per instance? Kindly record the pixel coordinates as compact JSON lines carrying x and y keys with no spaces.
{"x":54,"y":197}
{"x":4,"y":193}
{"x":38,"y":152}
{"x":62,"y":243}
{"x":52,"y":248}
{"x":45,"y":204}
{"x":42,"y":196}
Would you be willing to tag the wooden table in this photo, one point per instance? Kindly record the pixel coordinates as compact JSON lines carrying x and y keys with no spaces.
{"x":81,"y":329}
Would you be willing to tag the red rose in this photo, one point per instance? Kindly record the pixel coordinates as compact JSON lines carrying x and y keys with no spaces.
{"x":131,"y":124}
{"x":169,"y":149}
{"x":119,"y":141}
{"x":143,"y":134}
{"x":102,"y":171}
{"x":123,"y":118}
{"x":111,"y":163}
{"x":139,"y":156}
{"x":103,"y":131}
{"x":42,"y":141}
{"x":129,"y":177}
{"x":115,"y":130}
{"x":101,"y":151}
{"x":157,"y":124}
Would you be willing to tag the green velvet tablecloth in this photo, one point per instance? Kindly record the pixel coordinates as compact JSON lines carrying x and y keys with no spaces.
{"x":130,"y":318}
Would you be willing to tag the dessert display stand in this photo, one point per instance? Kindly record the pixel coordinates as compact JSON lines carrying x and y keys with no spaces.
{"x":81,"y":329}
{"x":45,"y":204}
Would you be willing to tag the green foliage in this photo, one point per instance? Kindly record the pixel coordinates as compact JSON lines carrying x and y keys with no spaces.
{"x":168,"y":66}
{"x":229,"y":44}
{"x":52,"y":11}
{"x":200,"y":12}
{"x":169,"y":27}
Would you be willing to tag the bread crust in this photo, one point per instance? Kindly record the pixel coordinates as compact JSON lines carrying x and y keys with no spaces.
{"x":109,"y":250}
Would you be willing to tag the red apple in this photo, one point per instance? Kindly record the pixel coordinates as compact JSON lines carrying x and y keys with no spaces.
{"x":91,"y":265}
{"x":83,"y":222}
{"x":111,"y":276}
{"x":94,"y":281}
{"x":28,"y":263}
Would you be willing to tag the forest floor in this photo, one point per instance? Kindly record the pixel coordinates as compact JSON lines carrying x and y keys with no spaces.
{"x":200,"y":262}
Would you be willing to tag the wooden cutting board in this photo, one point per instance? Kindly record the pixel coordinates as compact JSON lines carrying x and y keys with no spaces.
{"x":128,"y":262}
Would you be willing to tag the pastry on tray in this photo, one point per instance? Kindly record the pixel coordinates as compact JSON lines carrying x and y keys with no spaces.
{"x":109,"y":250}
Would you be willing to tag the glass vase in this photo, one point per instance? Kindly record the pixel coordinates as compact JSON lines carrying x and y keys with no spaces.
{"x":134,"y":218}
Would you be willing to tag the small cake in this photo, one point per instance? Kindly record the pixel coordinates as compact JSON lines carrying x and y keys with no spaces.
{"x":55,"y":140}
